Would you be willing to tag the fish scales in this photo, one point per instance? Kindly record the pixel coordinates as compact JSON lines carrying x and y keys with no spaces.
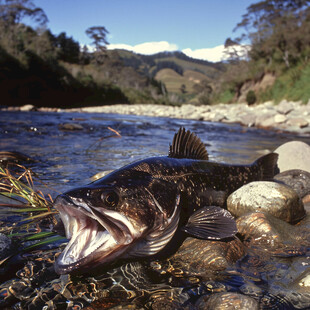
{"x":144,"y":208}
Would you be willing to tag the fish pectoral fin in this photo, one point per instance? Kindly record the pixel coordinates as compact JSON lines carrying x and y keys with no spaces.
{"x":213,"y":223}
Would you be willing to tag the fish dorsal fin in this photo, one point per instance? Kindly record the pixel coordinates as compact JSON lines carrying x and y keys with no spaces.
{"x":186,"y":144}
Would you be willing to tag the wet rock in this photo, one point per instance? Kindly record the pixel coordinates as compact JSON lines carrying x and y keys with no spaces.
{"x":70,"y":126}
{"x":267,"y":230}
{"x":27,"y":107}
{"x":250,"y":289}
{"x":272,"y":198}
{"x":100,"y":175}
{"x":294,"y":155}
{"x":14,"y":157}
{"x":202,"y":255}
{"x":297,"y":179}
{"x":227,"y":301}
{"x":305,"y":280}
{"x":291,"y":284}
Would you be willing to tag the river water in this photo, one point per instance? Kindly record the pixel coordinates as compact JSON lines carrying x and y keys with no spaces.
{"x":69,"y":148}
{"x":68,"y":158}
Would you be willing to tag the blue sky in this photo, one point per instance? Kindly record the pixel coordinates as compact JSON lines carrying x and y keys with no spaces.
{"x":147,"y":26}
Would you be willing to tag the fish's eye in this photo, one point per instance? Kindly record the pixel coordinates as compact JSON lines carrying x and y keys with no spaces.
{"x":110,"y":199}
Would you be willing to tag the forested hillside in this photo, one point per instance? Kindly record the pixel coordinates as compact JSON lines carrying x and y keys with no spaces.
{"x":46,"y":69}
{"x":278,"y":33}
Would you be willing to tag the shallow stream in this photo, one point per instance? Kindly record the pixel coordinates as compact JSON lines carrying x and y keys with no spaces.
{"x":69,"y":148}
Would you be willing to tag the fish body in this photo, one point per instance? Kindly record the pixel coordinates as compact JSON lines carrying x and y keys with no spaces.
{"x":136,"y":210}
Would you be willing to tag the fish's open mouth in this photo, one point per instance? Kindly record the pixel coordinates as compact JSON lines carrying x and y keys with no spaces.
{"x":95,"y":234}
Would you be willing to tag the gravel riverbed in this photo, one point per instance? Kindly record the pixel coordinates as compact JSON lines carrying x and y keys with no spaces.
{"x":285,"y":116}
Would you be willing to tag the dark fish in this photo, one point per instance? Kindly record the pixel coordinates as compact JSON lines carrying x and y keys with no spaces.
{"x":136,"y":211}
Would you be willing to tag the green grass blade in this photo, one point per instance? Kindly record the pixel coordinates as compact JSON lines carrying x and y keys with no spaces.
{"x":44,"y":242}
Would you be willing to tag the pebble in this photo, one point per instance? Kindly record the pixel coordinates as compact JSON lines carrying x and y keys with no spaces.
{"x":285,"y":107}
{"x":280,"y":118}
{"x":226,"y":301}
{"x":273,"y":198}
{"x":286,"y":116}
{"x":293,"y":155}
{"x":70,"y":127}
{"x":27,"y":107}
{"x":298,"y":122}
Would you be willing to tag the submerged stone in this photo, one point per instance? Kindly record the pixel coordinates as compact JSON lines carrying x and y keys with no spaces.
{"x":14,"y":157}
{"x":267,"y":230}
{"x":199,"y":256}
{"x":70,"y":127}
{"x":272,"y":198}
{"x":227,"y":301}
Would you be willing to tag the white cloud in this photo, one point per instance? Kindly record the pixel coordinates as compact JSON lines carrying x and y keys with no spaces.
{"x":213,"y":54}
{"x":217,"y":53}
{"x":147,"y":48}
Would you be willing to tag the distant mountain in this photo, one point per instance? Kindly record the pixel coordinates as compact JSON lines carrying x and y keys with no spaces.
{"x":180,"y":73}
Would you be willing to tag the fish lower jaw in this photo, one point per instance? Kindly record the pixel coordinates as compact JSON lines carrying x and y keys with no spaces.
{"x":78,"y":254}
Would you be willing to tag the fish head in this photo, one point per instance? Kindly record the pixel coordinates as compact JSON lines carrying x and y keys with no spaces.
{"x":113,"y":218}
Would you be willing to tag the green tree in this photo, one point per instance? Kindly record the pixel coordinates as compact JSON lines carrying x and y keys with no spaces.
{"x":98,"y":35}
{"x":183,"y":89}
{"x":15,"y":36}
{"x":250,"y":97}
{"x":276,"y":30}
{"x":14,"y":11}
{"x":68,"y":49}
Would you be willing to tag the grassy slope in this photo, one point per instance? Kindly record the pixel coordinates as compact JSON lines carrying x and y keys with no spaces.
{"x":174,"y":81}
{"x":193,"y":72}
{"x":209,"y":71}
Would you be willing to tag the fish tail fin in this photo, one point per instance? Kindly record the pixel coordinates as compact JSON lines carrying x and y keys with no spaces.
{"x":268,"y":164}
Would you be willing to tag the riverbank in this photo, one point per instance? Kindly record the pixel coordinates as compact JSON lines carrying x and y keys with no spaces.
{"x":285,"y":116}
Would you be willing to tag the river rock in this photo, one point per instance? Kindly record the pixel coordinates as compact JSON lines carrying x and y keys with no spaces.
{"x":248,"y":119}
{"x":27,"y":107}
{"x":226,"y":301}
{"x":266,"y":119}
{"x":273,"y":198}
{"x":280,"y":118}
{"x":100,"y":175}
{"x":70,"y":127}
{"x":197,"y":255}
{"x":291,"y":284}
{"x":285,"y":107}
{"x":299,"y":122}
{"x":294,"y":155}
{"x":297,"y":179}
{"x":14,"y":157}
{"x":265,"y":229}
